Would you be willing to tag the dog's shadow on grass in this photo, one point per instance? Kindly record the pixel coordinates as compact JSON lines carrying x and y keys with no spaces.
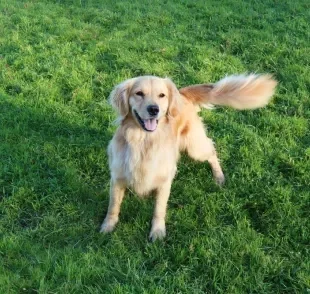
{"x":54,"y":168}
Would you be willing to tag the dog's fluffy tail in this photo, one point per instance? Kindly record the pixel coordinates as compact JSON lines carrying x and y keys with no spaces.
{"x":237,"y":91}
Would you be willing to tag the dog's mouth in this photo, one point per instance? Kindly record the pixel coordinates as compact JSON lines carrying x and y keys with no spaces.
{"x":149,"y":124}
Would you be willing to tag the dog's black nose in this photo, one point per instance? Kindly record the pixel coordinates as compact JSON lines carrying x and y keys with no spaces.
{"x":153,"y":109}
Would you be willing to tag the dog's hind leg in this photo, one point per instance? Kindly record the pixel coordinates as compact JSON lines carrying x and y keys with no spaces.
{"x":216,"y":169}
{"x":201,"y":148}
{"x":117,"y":192}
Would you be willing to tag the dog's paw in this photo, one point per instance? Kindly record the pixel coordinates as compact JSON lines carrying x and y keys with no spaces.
{"x":158,"y":231}
{"x":219,"y":179}
{"x":108,"y":225}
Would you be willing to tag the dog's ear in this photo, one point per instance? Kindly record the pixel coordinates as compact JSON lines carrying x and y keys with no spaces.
{"x":175,"y":100}
{"x":120,"y":95}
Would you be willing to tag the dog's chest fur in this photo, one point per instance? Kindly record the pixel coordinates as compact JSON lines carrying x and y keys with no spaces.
{"x":143,"y":161}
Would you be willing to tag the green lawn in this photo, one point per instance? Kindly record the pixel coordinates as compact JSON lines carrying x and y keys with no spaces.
{"x":60,"y":59}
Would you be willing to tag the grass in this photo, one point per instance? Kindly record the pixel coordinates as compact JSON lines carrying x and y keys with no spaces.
{"x":60,"y":59}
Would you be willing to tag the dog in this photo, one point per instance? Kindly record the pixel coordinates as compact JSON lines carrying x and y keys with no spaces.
{"x":157,"y":121}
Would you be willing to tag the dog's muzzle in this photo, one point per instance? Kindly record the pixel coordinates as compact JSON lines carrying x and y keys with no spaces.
{"x":149,"y":124}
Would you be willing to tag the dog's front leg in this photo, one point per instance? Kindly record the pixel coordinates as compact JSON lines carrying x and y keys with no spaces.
{"x":158,"y":230}
{"x":117,"y":192}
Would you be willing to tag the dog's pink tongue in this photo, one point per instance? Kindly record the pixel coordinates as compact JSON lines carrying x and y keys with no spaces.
{"x":150,"y":124}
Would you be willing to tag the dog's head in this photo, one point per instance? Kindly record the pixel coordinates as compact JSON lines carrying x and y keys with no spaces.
{"x":147,"y":99}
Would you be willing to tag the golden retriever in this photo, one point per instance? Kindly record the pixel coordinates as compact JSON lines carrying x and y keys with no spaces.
{"x":156,"y":122}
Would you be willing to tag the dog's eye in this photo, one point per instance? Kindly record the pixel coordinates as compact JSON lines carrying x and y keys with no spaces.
{"x":161,"y":95}
{"x":140,"y":93}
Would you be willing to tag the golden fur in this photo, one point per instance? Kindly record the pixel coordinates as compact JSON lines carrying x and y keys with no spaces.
{"x":157,"y":122}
